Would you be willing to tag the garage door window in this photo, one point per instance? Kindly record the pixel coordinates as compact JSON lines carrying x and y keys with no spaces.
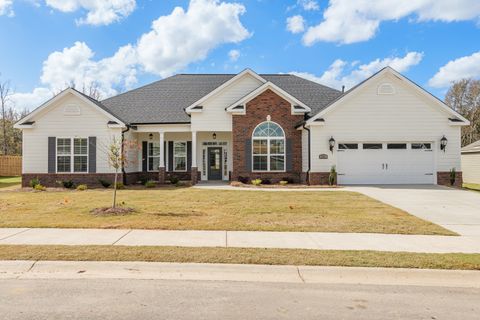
{"x":347,"y":146}
{"x":393,"y":146}
{"x":372,"y":146}
{"x":421,"y":146}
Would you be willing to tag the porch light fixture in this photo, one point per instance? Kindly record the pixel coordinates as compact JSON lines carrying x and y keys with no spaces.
{"x":150,"y":136}
{"x":443,"y":143}
{"x":331,"y":143}
{"x":214,"y":136}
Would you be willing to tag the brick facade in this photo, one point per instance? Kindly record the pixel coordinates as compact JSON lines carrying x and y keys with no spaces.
{"x":50,"y":179}
{"x":318,"y":178}
{"x":266,"y":104}
{"x":443,"y":178}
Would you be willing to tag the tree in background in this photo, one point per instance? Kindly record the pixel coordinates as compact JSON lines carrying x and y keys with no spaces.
{"x":5,"y":93}
{"x":464,"y":97}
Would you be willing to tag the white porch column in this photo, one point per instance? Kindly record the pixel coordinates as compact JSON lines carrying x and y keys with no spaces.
{"x":194,"y":149}
{"x":162,"y":149}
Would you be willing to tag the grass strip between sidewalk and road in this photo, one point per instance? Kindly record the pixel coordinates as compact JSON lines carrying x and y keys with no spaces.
{"x":457,"y":261}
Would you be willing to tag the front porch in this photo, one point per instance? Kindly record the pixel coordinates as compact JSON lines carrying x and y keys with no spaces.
{"x":177,"y":153}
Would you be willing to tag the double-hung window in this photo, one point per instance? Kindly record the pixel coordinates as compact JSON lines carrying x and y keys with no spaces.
{"x":72,"y":155}
{"x":153,"y":156}
{"x":180,"y":156}
{"x":268,"y":147}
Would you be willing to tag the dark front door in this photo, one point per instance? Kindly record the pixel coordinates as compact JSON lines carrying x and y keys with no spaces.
{"x":214,"y":163}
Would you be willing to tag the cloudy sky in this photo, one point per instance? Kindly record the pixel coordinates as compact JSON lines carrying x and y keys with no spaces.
{"x":122,"y":44}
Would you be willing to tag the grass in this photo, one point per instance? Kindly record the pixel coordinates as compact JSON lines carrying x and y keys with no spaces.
{"x":197,"y":209}
{"x":244,"y":256}
{"x":10,"y":181}
{"x":472,"y":186}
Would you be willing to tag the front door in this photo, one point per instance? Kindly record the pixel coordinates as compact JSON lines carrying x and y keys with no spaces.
{"x":214,"y":163}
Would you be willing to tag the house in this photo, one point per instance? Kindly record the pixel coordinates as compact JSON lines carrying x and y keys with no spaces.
{"x":385,"y":130}
{"x":471,"y":163}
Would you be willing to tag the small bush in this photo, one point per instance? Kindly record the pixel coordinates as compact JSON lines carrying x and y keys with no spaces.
{"x":283,"y":182}
{"x":150,"y":184}
{"x":68,"y":184}
{"x":82,"y":187}
{"x":144,"y":180}
{"x":120,"y":185}
{"x":34,"y":182}
{"x":266,"y":181}
{"x":243,"y":179}
{"x":453,"y":176}
{"x":257,"y":182}
{"x":174,"y":180}
{"x":105,"y":183}
{"x":39,"y":187}
{"x":332,"y":177}
{"x":288,"y":179}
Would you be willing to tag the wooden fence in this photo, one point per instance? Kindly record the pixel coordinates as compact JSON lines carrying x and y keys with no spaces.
{"x":10,"y":166}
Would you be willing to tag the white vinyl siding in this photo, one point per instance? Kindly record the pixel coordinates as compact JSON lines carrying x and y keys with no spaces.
{"x":471,"y":167}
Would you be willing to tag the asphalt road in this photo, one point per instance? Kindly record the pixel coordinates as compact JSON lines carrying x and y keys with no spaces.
{"x":177,"y":299}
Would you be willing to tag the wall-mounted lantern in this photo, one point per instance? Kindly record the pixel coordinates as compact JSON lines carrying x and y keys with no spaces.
{"x":331,"y":143}
{"x":214,"y":136}
{"x":150,"y":136}
{"x":443,"y":143}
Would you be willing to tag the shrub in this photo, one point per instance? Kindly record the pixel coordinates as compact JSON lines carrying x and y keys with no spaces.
{"x":39,"y":187}
{"x":82,"y":187}
{"x":105,"y":183}
{"x":332,"y":177}
{"x":34,"y":182}
{"x":150,"y":184}
{"x":453,"y":176}
{"x":257,"y":182}
{"x":288,"y":179}
{"x":243,"y":179}
{"x":283,"y":182}
{"x":144,"y":180}
{"x":266,"y":181}
{"x":120,"y":185}
{"x":68,"y":184}
{"x":174,"y":179}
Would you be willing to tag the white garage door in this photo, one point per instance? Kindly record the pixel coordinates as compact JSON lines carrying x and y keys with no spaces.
{"x":385,"y":163}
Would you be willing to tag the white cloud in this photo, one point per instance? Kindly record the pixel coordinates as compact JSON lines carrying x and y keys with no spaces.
{"x":464,"y":67}
{"x":183,"y":37}
{"x":99,"y":12}
{"x":234,"y":55}
{"x":296,"y":24}
{"x":349,"y":74}
{"x":308,"y":4}
{"x":31,"y":100}
{"x":346,"y":21}
{"x":6,"y":8}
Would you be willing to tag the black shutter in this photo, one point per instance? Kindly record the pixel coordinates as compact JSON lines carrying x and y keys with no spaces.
{"x":144,"y":156}
{"x":92,"y":154}
{"x":248,"y":155}
{"x":170,"y":155}
{"x":52,"y":145}
{"x":289,"y":156}
{"x":189,"y":155}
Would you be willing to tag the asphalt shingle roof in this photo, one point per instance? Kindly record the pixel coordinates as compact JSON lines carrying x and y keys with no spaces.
{"x":164,"y":101}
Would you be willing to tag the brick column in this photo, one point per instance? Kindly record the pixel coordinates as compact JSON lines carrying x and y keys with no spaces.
{"x":161,"y":175}
{"x":194,"y":175}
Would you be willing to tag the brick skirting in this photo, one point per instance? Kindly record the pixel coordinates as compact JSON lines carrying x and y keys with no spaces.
{"x":50,"y":179}
{"x":443,"y":178}
{"x":318,"y":178}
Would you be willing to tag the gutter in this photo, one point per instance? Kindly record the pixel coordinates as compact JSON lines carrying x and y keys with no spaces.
{"x":124,"y":174}
{"x":309,"y":152}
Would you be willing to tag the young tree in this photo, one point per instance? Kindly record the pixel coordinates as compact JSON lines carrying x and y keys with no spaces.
{"x":5,"y":93}
{"x":464,"y":97}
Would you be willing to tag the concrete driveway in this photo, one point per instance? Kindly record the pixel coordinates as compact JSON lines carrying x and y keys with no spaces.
{"x":454,"y":209}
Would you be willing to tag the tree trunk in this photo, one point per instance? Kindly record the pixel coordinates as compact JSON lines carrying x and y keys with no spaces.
{"x":115,"y":190}
{"x":4,"y":128}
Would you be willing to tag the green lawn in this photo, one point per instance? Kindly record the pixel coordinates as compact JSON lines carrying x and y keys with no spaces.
{"x":472,"y":186}
{"x":244,"y":256}
{"x":10,"y":181}
{"x":199,"y":209}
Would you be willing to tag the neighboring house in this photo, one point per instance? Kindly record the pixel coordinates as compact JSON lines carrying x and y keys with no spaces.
{"x":471,"y":163}
{"x":386,"y":130}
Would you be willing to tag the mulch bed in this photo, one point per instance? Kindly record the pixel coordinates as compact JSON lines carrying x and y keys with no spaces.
{"x":109,"y":211}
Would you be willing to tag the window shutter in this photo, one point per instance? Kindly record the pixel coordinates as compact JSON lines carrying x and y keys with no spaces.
{"x":92,"y":154}
{"x":288,"y":155}
{"x":248,"y":155}
{"x":144,"y":156}
{"x":189,"y":155}
{"x":170,"y":155}
{"x":52,"y":145}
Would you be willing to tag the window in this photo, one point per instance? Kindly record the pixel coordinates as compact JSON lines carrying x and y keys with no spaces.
{"x":422,"y":146}
{"x":179,"y":156}
{"x":345,"y":146}
{"x":268,"y":147}
{"x":372,"y":146}
{"x":397,"y":146}
{"x":69,"y":158}
{"x":153,"y":156}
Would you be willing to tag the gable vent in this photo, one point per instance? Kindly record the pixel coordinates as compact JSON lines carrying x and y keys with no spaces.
{"x":71,"y":110}
{"x":386,"y":88}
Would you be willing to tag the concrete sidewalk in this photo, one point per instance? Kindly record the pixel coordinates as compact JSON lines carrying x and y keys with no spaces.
{"x":235,"y":272}
{"x":243,"y":239}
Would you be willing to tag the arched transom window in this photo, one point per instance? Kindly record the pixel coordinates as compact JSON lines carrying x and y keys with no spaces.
{"x":268,"y":147}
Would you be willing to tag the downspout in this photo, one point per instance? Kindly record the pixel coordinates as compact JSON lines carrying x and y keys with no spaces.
{"x":309,"y":154}
{"x":124,"y":174}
